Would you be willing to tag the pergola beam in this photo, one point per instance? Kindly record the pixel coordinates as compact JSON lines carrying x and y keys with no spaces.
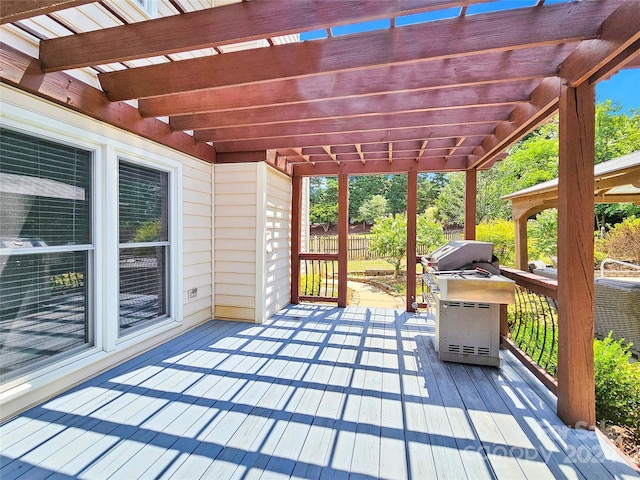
{"x":327,"y":149}
{"x":596,"y":59}
{"x":414,"y":43}
{"x":359,"y":150}
{"x":385,"y":121}
{"x":525,"y":64}
{"x":216,"y":27}
{"x":523,"y":119}
{"x":476,"y":96}
{"x":379,"y":166}
{"x":377,"y":136}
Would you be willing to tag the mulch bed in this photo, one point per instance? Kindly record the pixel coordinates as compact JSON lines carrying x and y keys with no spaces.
{"x":626,"y":439}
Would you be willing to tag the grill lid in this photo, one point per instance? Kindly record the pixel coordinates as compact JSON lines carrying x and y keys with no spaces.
{"x":458,"y":254}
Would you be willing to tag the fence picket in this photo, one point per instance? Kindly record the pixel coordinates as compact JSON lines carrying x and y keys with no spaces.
{"x":358,"y":246}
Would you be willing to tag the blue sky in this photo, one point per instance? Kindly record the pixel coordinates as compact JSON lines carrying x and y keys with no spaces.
{"x":622,"y":88}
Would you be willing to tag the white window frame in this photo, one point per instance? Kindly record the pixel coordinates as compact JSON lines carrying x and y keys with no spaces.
{"x":169,"y":243}
{"x":103,"y":262}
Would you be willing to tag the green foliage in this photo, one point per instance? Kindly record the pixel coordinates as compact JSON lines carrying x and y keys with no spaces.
{"x":450,"y":202}
{"x":502,"y":234}
{"x":429,"y":233}
{"x":372,"y":208}
{"x":389,"y":239}
{"x":617,"y":383}
{"x":533,"y":327}
{"x":362,"y":188}
{"x":617,"y":132}
{"x":323,"y":213}
{"x":622,"y":242}
{"x":323,"y":199}
{"x":397,"y":194}
{"x":148,"y":232}
{"x":543,"y":234}
{"x":67,"y":280}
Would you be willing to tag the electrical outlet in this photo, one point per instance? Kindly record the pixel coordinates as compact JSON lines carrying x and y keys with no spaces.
{"x":193,"y":293}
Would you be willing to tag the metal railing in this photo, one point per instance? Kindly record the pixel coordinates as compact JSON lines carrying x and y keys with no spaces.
{"x":318,"y":277}
{"x":532,"y":324}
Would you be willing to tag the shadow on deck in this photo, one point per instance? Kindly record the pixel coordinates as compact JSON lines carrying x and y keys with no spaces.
{"x":316,"y":392}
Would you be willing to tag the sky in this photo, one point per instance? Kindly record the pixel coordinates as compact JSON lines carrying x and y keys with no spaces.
{"x":622,"y":88}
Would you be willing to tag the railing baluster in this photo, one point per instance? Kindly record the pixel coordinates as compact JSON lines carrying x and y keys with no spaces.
{"x":535,"y":309}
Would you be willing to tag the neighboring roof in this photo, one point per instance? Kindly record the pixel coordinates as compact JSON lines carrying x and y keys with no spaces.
{"x":38,"y":187}
{"x":616,"y":180}
{"x":429,"y":85}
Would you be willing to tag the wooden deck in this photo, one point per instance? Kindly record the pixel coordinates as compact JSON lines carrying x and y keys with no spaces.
{"x":317,"y":392}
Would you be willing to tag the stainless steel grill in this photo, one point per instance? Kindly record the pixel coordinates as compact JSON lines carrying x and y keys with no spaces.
{"x":464,"y":284}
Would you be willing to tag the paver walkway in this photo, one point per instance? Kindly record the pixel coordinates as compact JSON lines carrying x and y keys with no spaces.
{"x":365,"y":295}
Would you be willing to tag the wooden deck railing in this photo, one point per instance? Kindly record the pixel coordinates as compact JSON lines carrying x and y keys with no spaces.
{"x":319,"y":277}
{"x":531,"y":327}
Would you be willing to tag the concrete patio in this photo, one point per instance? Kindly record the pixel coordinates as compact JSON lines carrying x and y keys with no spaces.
{"x":316,"y":392}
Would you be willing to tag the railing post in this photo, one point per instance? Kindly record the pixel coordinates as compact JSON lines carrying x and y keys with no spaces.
{"x":296,"y":219}
{"x":343,"y":232}
{"x":412,"y":207}
{"x":576,"y":384}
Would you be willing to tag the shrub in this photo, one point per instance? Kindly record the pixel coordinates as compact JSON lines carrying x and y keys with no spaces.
{"x":543,"y":234}
{"x":617,"y":384}
{"x":502,"y":234}
{"x":148,"y":232}
{"x":623,"y":240}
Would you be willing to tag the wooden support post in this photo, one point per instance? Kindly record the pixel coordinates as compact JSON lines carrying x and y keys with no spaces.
{"x":296,"y":229}
{"x":522,"y":254}
{"x":576,"y":385}
{"x":412,"y":210}
{"x":343,"y":232}
{"x":470,"y":187}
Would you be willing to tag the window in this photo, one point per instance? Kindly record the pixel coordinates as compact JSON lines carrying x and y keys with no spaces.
{"x":45,"y":251}
{"x":144,"y":246}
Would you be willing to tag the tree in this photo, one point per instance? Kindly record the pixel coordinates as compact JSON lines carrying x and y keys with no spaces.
{"x":428,"y":233}
{"x":323,"y":213}
{"x":323,"y":200}
{"x":535,"y":159}
{"x":397,"y":194}
{"x":617,"y":132}
{"x":450,"y":202}
{"x":372,"y":208}
{"x":543,"y":234}
{"x":362,"y":188}
{"x":389,"y":237}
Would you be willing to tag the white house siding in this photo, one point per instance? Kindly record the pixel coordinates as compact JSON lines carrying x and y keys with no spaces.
{"x":235,"y":213}
{"x":277,"y":285}
{"x":252,"y":227}
{"x":192,"y":242}
{"x":197,"y":223}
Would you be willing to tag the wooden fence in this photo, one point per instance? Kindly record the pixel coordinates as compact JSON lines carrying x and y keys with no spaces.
{"x":358,"y":246}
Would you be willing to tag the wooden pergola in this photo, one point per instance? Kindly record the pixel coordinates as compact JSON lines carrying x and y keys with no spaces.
{"x":616,"y":181}
{"x":439,"y":95}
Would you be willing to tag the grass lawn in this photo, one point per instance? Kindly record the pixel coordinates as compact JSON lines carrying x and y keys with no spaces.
{"x":373,"y":264}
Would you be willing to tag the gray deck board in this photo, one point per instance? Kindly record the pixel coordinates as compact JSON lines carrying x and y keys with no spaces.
{"x":316,"y":392}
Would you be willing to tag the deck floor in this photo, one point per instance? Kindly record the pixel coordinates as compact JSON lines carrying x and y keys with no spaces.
{"x":316,"y":392}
